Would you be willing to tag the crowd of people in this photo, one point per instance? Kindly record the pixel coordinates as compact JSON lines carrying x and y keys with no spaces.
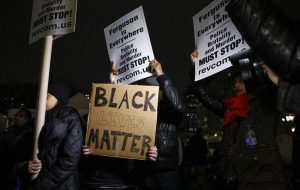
{"x":246,"y":163}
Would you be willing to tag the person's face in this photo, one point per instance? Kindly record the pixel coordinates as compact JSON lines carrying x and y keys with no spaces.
{"x":21,"y":118}
{"x":51,"y":102}
{"x":239,"y":87}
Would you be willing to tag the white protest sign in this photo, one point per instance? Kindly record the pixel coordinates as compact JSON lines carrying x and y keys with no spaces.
{"x":52,"y":17}
{"x":216,"y":38}
{"x":129,"y":46}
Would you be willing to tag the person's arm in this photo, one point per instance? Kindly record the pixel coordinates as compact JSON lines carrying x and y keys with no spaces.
{"x":288,"y":96}
{"x":66,"y":163}
{"x":170,"y":92}
{"x":270,"y":33}
{"x":210,"y":102}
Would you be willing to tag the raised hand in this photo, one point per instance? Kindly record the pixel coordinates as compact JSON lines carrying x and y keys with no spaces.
{"x":156,"y":67}
{"x":194,"y":55}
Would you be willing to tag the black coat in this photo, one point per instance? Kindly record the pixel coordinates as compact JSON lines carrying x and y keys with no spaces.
{"x":153,"y":175}
{"x":60,"y":143}
{"x":256,"y":167}
{"x":170,"y":110}
{"x":169,"y":116}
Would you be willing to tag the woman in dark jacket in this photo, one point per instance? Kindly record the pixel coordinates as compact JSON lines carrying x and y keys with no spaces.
{"x":59,"y":143}
{"x":258,"y":167}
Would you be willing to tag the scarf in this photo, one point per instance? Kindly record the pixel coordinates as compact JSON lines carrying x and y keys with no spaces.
{"x":236,"y":106}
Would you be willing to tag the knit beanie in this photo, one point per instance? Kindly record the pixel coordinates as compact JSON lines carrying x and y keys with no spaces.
{"x":60,"y":91}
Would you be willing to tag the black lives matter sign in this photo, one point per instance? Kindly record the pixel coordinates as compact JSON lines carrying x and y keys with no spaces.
{"x":122,"y":120}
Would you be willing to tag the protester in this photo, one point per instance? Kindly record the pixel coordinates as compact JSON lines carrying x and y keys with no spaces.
{"x":258,"y":166}
{"x":13,"y":144}
{"x":104,"y":172}
{"x":163,"y":174}
{"x":109,"y":172}
{"x":59,"y":144}
{"x":275,"y":38}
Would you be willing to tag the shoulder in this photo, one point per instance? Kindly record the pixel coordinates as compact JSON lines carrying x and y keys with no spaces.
{"x":68,"y":113}
{"x":66,"y":117}
{"x":71,"y":119}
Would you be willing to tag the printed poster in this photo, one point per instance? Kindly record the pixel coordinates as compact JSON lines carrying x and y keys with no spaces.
{"x":129,"y":47}
{"x":217,"y":38}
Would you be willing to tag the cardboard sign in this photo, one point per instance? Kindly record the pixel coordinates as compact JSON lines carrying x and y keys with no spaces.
{"x":122,"y":120}
{"x":216,"y":37}
{"x":53,"y":17}
{"x":129,"y":47}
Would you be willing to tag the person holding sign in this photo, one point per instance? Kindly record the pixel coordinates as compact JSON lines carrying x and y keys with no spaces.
{"x":60,"y":144}
{"x":163,"y":174}
{"x":258,"y":164}
{"x":100,"y":171}
{"x":104,"y":171}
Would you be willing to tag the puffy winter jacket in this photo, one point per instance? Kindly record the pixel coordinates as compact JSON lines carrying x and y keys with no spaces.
{"x":270,"y":33}
{"x":60,"y":143}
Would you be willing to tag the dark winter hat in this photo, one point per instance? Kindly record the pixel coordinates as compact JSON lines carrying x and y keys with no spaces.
{"x":61,"y":91}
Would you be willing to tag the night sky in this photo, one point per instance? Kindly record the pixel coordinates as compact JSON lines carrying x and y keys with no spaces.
{"x":81,"y":58}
